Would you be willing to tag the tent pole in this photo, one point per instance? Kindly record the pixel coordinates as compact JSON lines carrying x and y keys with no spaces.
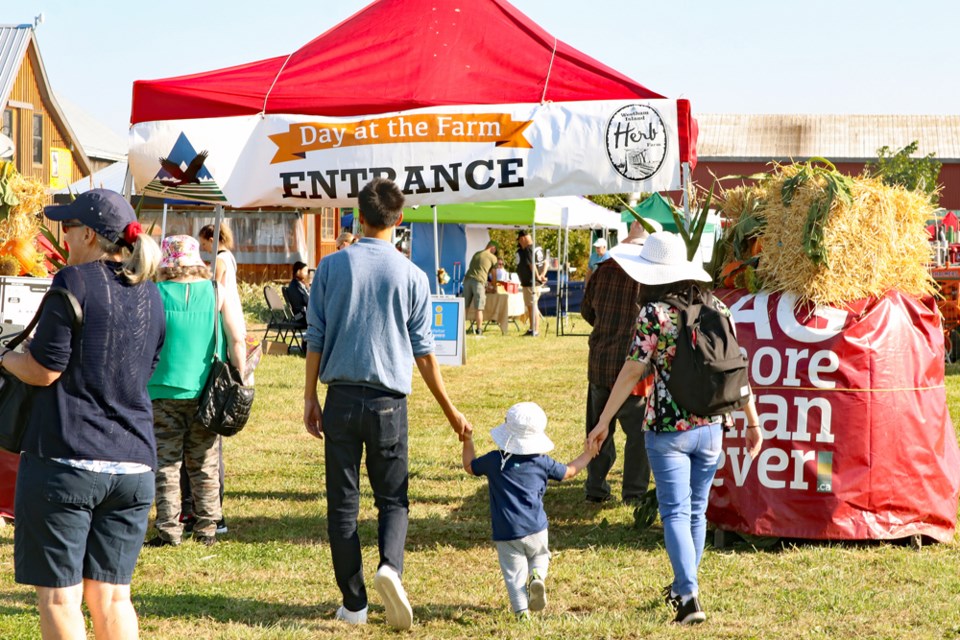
{"x":128,"y":185}
{"x":560,"y":263}
{"x":685,"y":179}
{"x":436,"y":253}
{"x":163,"y":222}
{"x":566,"y":275}
{"x":534,"y":325}
{"x":218,"y":208}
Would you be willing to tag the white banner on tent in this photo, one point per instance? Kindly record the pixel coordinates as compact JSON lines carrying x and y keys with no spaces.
{"x":437,"y":155}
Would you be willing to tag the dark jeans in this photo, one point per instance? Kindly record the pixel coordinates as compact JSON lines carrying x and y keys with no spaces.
{"x":636,"y":467}
{"x":355,"y":417}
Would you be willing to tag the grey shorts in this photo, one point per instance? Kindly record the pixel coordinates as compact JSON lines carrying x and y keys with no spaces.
{"x":474,"y":294}
{"x":73,"y":524}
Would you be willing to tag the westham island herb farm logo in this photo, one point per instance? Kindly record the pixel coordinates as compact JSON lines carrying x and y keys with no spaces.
{"x":636,"y":141}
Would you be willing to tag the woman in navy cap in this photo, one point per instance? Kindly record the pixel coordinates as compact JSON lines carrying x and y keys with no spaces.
{"x":86,"y":476}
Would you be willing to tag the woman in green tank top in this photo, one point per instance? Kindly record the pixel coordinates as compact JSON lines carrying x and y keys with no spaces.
{"x":191,"y":306}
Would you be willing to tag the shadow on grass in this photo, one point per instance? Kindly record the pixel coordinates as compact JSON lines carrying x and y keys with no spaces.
{"x":252,"y":612}
{"x":573,"y":523}
{"x":286,"y":496}
{"x":229,"y":609}
{"x":14,"y":603}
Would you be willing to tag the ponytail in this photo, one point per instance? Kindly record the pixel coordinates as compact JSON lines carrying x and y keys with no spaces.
{"x":140,"y":263}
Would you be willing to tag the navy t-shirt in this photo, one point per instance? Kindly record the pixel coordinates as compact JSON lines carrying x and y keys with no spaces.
{"x":99,"y":408}
{"x":516,"y":491}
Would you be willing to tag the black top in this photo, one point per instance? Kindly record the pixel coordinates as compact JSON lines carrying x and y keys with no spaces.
{"x":297,"y":297}
{"x":524,"y":271}
{"x":99,"y":408}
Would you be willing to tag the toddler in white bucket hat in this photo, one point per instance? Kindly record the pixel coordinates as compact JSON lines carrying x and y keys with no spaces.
{"x":517,"y":473}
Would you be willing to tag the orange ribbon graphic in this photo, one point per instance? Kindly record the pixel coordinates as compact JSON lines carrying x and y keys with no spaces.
{"x":497,"y":128}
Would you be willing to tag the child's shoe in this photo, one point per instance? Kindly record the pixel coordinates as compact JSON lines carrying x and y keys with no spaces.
{"x":537,"y":592}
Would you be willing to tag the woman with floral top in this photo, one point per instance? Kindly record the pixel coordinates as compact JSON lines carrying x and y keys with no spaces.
{"x":683,"y":448}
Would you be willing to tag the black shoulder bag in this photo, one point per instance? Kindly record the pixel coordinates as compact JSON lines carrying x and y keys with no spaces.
{"x":16,"y":395}
{"x":225,"y":401}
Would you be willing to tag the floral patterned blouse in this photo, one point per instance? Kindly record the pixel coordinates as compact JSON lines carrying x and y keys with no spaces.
{"x":655,"y":339}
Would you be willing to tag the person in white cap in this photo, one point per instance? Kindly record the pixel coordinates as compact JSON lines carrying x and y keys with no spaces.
{"x":598,"y":255}
{"x":517,"y":474}
{"x":683,"y":448}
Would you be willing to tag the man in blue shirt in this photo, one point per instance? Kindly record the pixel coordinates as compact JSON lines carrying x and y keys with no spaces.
{"x":369,"y":322}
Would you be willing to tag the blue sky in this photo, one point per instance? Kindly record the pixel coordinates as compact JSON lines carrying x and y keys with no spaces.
{"x":745,"y":56}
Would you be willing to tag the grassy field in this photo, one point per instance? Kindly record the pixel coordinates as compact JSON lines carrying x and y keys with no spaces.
{"x":271,"y":576}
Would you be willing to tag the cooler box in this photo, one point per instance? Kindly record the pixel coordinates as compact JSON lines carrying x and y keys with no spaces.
{"x":20,"y":298}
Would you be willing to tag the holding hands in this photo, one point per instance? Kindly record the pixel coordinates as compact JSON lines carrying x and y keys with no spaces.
{"x":596,"y":437}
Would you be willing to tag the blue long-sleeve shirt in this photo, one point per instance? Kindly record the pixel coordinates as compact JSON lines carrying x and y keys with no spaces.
{"x":369,"y":317}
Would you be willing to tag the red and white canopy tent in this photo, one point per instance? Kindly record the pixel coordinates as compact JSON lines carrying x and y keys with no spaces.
{"x":456,"y":101}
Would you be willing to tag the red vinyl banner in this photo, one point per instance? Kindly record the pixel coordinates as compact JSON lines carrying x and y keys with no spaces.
{"x":8,"y":481}
{"x":858,"y":441}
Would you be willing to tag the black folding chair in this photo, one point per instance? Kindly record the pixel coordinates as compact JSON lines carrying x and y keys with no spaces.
{"x":280,"y":322}
{"x":298,"y":319}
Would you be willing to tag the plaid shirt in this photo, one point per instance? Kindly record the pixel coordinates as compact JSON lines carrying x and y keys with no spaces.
{"x":610,"y":306}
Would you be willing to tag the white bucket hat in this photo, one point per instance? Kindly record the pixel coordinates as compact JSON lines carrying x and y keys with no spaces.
{"x":661,"y":260}
{"x":522,"y":433}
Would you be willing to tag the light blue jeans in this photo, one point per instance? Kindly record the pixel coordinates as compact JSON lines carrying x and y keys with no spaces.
{"x":683,"y":464}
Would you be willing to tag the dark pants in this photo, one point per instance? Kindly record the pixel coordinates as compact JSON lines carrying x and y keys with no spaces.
{"x":636,"y":467}
{"x":355,"y":417}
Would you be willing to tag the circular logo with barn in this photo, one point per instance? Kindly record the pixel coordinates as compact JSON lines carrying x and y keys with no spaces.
{"x":636,"y":141}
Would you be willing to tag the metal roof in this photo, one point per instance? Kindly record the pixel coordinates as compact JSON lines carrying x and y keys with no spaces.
{"x":839,"y":138}
{"x":14,"y":42}
{"x":13,"y":45}
{"x":97,"y":140}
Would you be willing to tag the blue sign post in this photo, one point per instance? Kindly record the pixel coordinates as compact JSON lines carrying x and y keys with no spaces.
{"x":447,"y":325}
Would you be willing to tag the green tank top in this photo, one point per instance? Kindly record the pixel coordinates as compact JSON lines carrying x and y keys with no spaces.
{"x":187,"y":352}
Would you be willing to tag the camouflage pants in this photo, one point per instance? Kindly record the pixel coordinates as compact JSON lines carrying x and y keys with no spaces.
{"x":181,"y":439}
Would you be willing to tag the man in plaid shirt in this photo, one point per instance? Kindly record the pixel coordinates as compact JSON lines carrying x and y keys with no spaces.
{"x":610,"y":306}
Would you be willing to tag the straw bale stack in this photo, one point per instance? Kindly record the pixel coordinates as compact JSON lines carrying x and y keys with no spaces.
{"x":872,"y":242}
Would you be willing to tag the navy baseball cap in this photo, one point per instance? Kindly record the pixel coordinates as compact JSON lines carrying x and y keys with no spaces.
{"x":103,"y":210}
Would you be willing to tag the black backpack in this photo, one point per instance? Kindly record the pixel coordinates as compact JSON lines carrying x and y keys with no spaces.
{"x":708,"y":375}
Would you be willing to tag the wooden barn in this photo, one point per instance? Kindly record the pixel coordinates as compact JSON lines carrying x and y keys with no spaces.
{"x":742,"y":144}
{"x":45,"y":147}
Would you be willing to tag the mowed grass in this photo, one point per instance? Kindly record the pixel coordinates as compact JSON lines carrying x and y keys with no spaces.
{"x":271,"y":575}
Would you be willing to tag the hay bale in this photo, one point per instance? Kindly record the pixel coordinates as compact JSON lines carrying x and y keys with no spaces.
{"x":875,"y":242}
{"x":25,"y":218}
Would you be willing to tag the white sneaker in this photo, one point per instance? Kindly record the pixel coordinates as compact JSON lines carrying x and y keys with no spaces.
{"x":387,"y":584}
{"x":352,"y":617}
{"x":537,"y":592}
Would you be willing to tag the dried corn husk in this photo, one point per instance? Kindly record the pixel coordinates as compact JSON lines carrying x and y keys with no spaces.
{"x":874,"y":243}
{"x":24,"y":219}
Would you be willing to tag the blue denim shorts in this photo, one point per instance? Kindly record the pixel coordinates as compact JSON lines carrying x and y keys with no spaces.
{"x":72,"y":524}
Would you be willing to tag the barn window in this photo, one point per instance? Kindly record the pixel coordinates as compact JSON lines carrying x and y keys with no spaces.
{"x":37,"y":138}
{"x":328,"y":224}
{"x":8,"y":123}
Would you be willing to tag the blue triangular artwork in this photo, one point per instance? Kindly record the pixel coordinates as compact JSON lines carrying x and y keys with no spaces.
{"x":183,"y":178}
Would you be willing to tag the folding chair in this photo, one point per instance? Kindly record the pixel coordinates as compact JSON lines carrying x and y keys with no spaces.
{"x":280,"y":321}
{"x":299,"y":322}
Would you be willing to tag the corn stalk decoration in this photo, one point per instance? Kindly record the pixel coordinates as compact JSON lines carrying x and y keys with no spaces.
{"x":691,"y":233}
{"x":837,"y":186}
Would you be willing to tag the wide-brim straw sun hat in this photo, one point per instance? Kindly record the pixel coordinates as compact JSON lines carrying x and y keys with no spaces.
{"x":180,"y":251}
{"x":523,"y":431}
{"x":661,"y":260}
